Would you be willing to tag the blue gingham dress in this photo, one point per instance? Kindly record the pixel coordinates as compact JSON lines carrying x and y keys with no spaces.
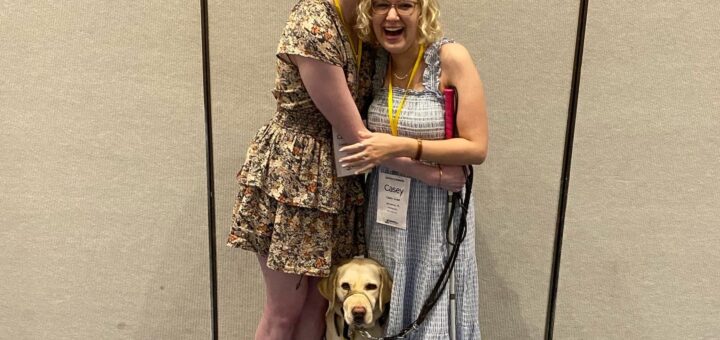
{"x":415,"y":256}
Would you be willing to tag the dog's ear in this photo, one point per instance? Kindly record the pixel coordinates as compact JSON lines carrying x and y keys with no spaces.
{"x":326,"y":286}
{"x":385,"y":288}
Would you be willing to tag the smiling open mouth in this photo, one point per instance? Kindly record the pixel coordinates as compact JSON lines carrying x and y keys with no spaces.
{"x":393,"y":32}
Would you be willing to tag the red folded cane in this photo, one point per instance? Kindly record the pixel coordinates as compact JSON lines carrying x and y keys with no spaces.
{"x":450,"y":112}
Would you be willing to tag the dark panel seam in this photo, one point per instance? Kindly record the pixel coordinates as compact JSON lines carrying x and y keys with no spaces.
{"x":565,"y":176}
{"x":209,"y":166}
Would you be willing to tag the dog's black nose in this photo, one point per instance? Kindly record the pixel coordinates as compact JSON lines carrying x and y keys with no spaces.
{"x":358,"y":314}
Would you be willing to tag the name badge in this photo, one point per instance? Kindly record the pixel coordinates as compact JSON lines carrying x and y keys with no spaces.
{"x":339,"y":142}
{"x":393,"y":198}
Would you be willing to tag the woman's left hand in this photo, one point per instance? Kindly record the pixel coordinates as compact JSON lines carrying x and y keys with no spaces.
{"x":374,"y":148}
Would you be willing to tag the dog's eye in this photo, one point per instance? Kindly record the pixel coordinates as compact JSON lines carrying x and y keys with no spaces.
{"x":345,"y":286}
{"x":370,"y":286}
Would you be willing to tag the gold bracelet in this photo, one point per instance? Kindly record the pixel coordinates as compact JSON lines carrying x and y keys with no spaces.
{"x":418,"y":154}
{"x":440,"y":178}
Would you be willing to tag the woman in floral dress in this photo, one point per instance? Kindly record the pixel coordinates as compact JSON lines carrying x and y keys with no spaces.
{"x":291,"y":208}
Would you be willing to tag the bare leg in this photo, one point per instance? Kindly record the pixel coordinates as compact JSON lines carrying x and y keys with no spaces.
{"x":283,"y":305}
{"x":311,"y":325}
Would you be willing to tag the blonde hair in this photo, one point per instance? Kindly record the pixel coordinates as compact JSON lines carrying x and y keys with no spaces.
{"x":429,"y":30}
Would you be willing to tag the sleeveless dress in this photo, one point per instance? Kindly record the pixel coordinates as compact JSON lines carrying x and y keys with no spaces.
{"x":291,"y":207}
{"x":415,"y":256}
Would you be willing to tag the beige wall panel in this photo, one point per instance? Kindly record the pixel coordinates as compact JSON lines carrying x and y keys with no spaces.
{"x":526,"y":64}
{"x":243,"y":40}
{"x":524,"y":51}
{"x":642,"y":253}
{"x":103,"y":223}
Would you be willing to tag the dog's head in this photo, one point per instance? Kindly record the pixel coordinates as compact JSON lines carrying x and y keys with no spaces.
{"x":362,"y":286}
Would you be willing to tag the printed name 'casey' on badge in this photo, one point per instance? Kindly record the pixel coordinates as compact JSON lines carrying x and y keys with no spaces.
{"x":392,"y":201}
{"x":394,"y":189}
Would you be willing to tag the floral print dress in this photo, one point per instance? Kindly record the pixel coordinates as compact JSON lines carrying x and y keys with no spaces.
{"x":291,"y":207}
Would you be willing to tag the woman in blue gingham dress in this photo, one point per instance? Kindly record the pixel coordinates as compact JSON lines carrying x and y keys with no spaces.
{"x":415,"y":255}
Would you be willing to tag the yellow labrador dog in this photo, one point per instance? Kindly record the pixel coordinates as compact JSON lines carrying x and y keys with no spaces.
{"x":357,"y":290}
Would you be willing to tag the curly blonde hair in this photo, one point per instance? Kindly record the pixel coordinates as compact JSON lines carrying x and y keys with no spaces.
{"x":429,"y":30}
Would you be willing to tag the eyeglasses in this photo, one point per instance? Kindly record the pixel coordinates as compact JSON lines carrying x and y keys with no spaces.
{"x":403,"y":8}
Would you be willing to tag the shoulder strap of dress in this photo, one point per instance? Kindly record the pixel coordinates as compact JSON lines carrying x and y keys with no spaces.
{"x":431,"y":76}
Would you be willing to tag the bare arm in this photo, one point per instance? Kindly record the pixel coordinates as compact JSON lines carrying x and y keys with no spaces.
{"x":328,"y":89}
{"x":471,"y":146}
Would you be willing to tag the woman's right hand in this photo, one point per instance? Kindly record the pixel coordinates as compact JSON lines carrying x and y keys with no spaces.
{"x":452,"y":179}
{"x":374,"y":149}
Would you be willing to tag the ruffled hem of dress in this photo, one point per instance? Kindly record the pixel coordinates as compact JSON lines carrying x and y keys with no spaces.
{"x":289,"y":269}
{"x":298,"y":169}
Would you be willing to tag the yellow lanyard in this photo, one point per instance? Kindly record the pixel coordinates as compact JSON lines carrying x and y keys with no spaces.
{"x":395,"y":118}
{"x":356,"y":51}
